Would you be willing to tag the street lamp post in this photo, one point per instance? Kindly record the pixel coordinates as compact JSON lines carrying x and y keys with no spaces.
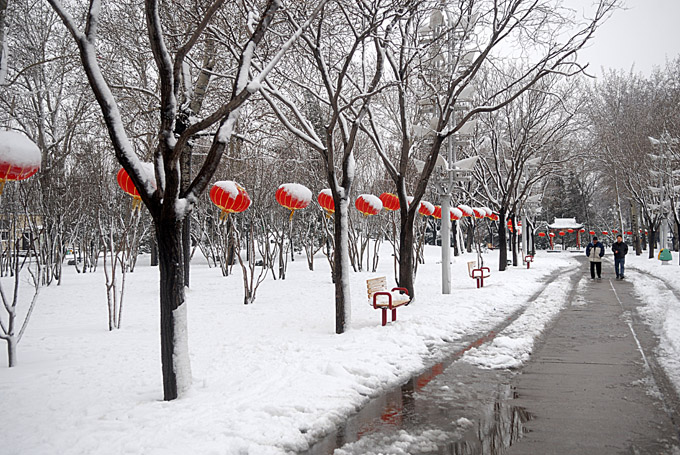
{"x":449,"y":169}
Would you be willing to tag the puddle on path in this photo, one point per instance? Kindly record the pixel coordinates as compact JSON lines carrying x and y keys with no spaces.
{"x":449,"y":409}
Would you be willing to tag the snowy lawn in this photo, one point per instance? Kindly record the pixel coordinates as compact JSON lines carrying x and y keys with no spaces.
{"x":662,"y":309}
{"x":268,"y":378}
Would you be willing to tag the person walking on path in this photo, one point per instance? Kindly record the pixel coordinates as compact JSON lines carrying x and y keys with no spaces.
{"x":595,"y":251}
{"x":620,"y":249}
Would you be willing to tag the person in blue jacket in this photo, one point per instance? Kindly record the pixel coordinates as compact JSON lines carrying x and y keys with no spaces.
{"x":595,"y":251}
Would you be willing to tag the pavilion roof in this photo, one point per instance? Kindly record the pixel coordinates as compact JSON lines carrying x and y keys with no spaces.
{"x":565,"y":223}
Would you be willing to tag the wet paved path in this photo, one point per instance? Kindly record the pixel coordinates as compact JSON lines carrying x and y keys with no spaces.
{"x":592,"y":387}
{"x":589,"y":386}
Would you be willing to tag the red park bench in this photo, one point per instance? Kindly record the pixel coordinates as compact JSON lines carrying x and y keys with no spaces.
{"x":478,"y":273}
{"x":381,"y":298}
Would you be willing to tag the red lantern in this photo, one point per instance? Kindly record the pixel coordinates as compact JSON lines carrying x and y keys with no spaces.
{"x":326,"y":201}
{"x":437,"y":213}
{"x":390,"y":201}
{"x":478,"y":212}
{"x":493,"y":217}
{"x":541,"y":234}
{"x":456,"y":214}
{"x":562,"y":233}
{"x":629,"y":232}
{"x":591,"y":232}
{"x":230,"y":197}
{"x":605,"y":232}
{"x":426,"y":209}
{"x":293,"y":196}
{"x":552,"y":234}
{"x":571,"y":231}
{"x":467,"y":210}
{"x":615,"y":231}
{"x":19,"y":157}
{"x":368,"y":204}
{"x":125,"y":183}
{"x":582,"y":231}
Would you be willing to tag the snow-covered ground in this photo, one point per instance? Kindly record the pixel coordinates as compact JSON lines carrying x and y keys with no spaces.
{"x":268,"y":378}
{"x":662,"y":306}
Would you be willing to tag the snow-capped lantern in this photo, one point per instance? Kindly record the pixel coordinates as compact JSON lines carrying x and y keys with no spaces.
{"x":488,"y":211}
{"x":125,"y":183}
{"x":605,"y":232}
{"x":552,"y":234}
{"x":293,"y":196}
{"x":456,"y":214}
{"x":494,"y":217}
{"x":19,"y":157}
{"x":582,"y":231}
{"x":478,"y":212}
{"x":591,"y":232}
{"x":390,"y":201}
{"x":325,"y":199}
{"x":368,"y":204}
{"x":230,"y":197}
{"x":541,"y":234}
{"x":467,"y":210}
{"x":426,"y":208}
{"x":437,"y":212}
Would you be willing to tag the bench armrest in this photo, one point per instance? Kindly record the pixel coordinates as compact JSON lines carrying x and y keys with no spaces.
{"x":389,"y":295}
{"x":400,"y":289}
{"x":484,"y":272}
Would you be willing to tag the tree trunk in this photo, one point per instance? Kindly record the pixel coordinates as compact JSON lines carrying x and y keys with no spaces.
{"x":454,"y":230}
{"x":154,"y":252}
{"x":12,"y":351}
{"x":174,"y":342}
{"x":635,"y":227}
{"x":343,"y":302}
{"x":406,"y":243}
{"x":651,"y":241}
{"x":502,"y":241}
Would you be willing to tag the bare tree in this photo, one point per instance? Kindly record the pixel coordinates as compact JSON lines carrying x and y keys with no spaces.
{"x":334,"y":72}
{"x":168,"y":202}
{"x":440,"y":55}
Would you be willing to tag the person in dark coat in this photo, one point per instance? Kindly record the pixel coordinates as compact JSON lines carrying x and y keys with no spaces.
{"x":595,"y":251}
{"x":620,"y":249}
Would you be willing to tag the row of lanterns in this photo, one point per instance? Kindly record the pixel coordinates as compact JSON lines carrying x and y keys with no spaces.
{"x":231,"y":197}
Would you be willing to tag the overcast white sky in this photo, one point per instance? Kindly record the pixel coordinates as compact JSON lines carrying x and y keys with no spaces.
{"x":644,"y":34}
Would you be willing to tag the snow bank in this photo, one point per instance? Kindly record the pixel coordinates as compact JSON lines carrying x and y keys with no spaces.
{"x":662,"y":307}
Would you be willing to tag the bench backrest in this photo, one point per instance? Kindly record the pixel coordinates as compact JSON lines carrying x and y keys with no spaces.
{"x":374,"y":285}
{"x":471,"y":266}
